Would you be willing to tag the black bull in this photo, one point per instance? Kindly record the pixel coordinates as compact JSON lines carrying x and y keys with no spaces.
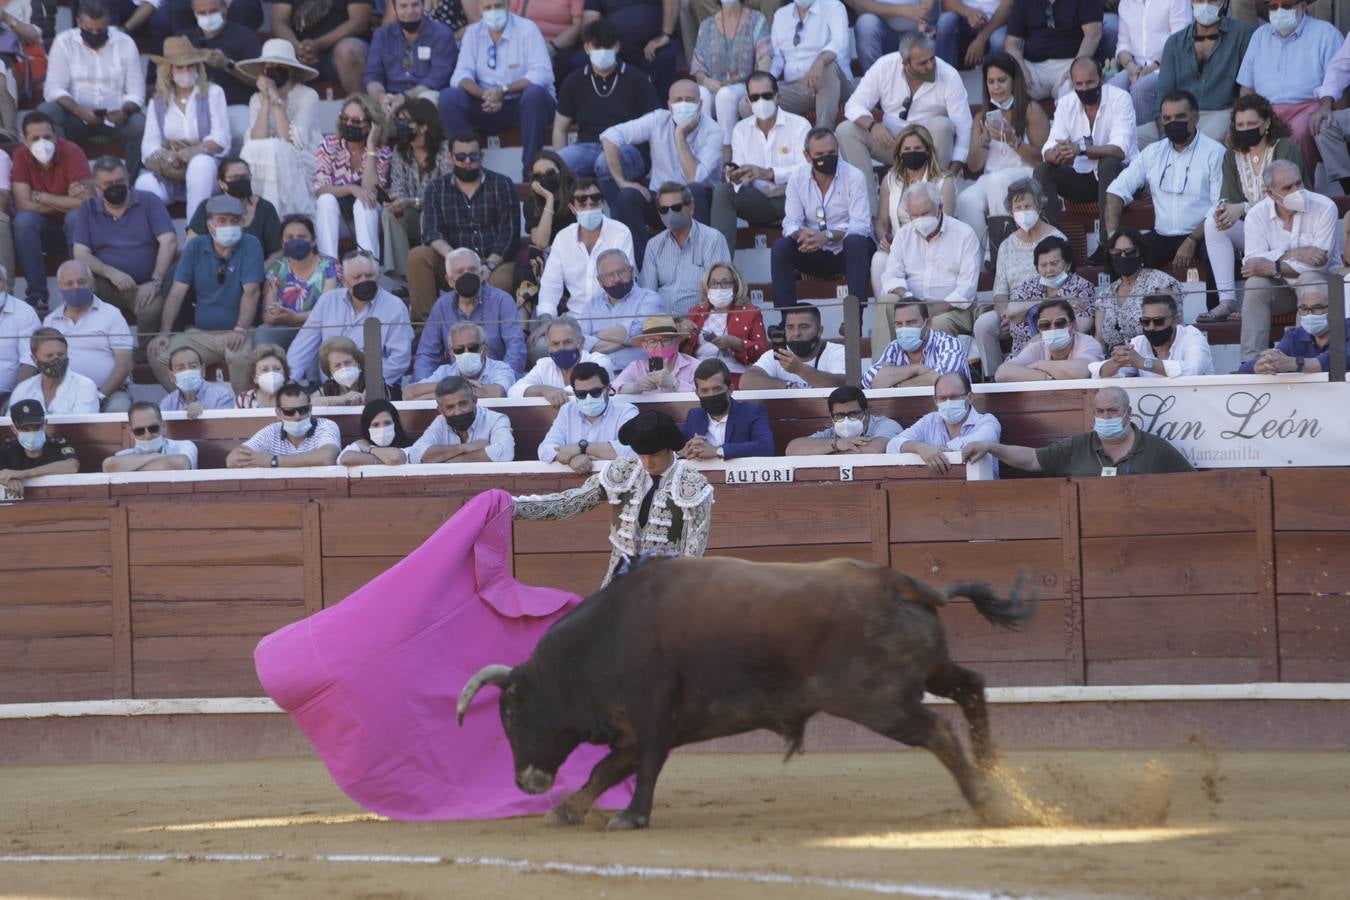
{"x":687,"y":650}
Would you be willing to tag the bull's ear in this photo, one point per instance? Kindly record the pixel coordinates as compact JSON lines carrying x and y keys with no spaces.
{"x":496,"y":674}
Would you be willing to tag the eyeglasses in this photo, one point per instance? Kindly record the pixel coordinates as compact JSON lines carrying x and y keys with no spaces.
{"x":856,"y":415}
{"x":1155,"y":321}
{"x":476,"y":156}
{"x":1185,"y":179}
{"x":1288,"y":4}
{"x":408,"y":57}
{"x":1047,"y":326}
{"x":722,"y":283}
{"x":585,"y":200}
{"x":1201,"y":38}
{"x":661,"y":341}
{"x":467,"y":348}
{"x":1313,"y":310}
{"x":590,"y":392}
{"x":674,"y":207}
{"x":492,"y":56}
{"x":296,"y":412}
{"x":767,"y":95}
{"x":343,"y":120}
{"x":147,"y":429}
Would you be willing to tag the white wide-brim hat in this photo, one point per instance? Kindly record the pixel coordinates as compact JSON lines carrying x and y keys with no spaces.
{"x":276,"y":52}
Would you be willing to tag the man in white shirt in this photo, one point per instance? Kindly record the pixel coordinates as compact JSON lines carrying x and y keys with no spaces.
{"x":1166,"y":349}
{"x":1145,"y":26}
{"x":587,"y":428}
{"x":100,"y":342}
{"x":151,"y":449}
{"x":1092,"y":138}
{"x":912,"y":87}
{"x":1184,"y":174}
{"x":552,"y":374}
{"x":881,"y":23}
{"x":686,"y":148}
{"x":811,"y":58}
{"x":295,"y":440}
{"x":765,"y":149}
{"x":463,"y":430}
{"x":576,"y":249}
{"x":18,"y":321}
{"x":61,"y":391}
{"x":934,"y":259}
{"x":1290,"y":239}
{"x":827,"y":226}
{"x":807,"y":360}
{"x":95,"y":85}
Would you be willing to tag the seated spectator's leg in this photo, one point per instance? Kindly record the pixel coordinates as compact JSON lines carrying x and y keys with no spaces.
{"x":1049,"y":175}
{"x":757,"y":209}
{"x":1222,"y":248}
{"x":398,"y":240}
{"x":728,"y":103}
{"x":634,"y":210}
{"x":793,"y":97}
{"x":66,"y":125}
{"x":580,"y":158}
{"x":944,"y":135}
{"x":1107,"y":169}
{"x":200,"y":179}
{"x":150,"y":183}
{"x":7,"y":248}
{"x":828,"y":95}
{"x":1110,"y":30}
{"x":783,"y":259}
{"x":349,"y":63}
{"x":119,"y":401}
{"x":1214,"y":123}
{"x":953,"y":37}
{"x":972,"y":206}
{"x":366,"y":225}
{"x":28,"y":229}
{"x":1148,"y":132}
{"x":996,"y":41}
{"x":1245,"y":11}
{"x":1331,"y":144}
{"x":504,"y":276}
{"x":723,"y":216}
{"x":955,"y":321}
{"x":879,"y":260}
{"x":535,"y":113}
{"x":857,"y":260}
{"x":426,"y":280}
{"x":858,"y":149}
{"x":634,"y":167}
{"x":662,"y":69}
{"x":280,"y":335}
{"x":150,"y":317}
{"x":703,"y":203}
{"x":987,"y":337}
{"x":130,"y":135}
{"x":1262,"y":298}
{"x":1144,"y":92}
{"x":883,"y":322}
{"x":123,"y":300}
{"x":1121,"y":80}
{"x":327,"y":222}
{"x":867,"y":34}
{"x":1163,"y":249}
{"x":248,"y":13}
{"x":455,"y":105}
{"x":1296,"y":116}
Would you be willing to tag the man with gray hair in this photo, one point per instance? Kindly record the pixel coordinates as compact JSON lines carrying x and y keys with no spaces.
{"x":912,"y":87}
{"x":1306,"y":347}
{"x":463,"y":431}
{"x":935,"y":259}
{"x":471,"y":299}
{"x":611,"y":320}
{"x":1115,"y":446}
{"x":551,"y":375}
{"x":469,"y":358}
{"x":675,"y":260}
{"x":99,"y":341}
{"x":1290,"y":239}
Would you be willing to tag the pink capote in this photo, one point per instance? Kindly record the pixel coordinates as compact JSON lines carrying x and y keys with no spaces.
{"x":373,"y":681}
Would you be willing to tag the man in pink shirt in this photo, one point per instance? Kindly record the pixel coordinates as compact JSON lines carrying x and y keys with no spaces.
{"x":665,"y":370}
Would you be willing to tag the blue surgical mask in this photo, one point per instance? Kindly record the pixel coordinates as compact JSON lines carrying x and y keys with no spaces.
{"x":1057,"y":338}
{"x":228,"y":235}
{"x":296,"y":427}
{"x":470,"y":364}
{"x":1108,"y":428}
{"x":1314,"y":325}
{"x":32,"y":441}
{"x":495,"y":19}
{"x":153,"y":445}
{"x":604,"y":58}
{"x":910,"y":339}
{"x":1205,"y":14}
{"x":1055,"y":281}
{"x":1284,"y":20}
{"x":590,"y":219}
{"x":565,"y":359}
{"x":683,"y":112}
{"x":952,"y":411}
{"x":592,"y":406}
{"x":189,"y":381}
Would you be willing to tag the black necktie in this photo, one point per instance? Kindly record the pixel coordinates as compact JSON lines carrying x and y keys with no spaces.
{"x":646,"y":506}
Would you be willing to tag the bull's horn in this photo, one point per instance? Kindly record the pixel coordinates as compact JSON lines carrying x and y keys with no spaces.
{"x":495,"y":674}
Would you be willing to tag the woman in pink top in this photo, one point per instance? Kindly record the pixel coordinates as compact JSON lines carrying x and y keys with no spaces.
{"x":1061,"y":350}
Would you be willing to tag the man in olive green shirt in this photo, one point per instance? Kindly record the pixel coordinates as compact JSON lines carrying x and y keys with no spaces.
{"x":1115,"y":446}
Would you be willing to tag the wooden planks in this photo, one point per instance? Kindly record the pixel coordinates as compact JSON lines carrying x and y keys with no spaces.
{"x":1169,"y":565}
{"x":973,"y":511}
{"x":1218,"y":502}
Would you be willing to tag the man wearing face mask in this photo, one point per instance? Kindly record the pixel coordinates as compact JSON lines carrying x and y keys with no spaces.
{"x":587,"y":428}
{"x":912,"y":87}
{"x":662,"y":368}
{"x":675,"y":260}
{"x":344,"y":311}
{"x":471,"y":299}
{"x":953,"y":425}
{"x":1290,"y":240}
{"x":469,"y":358}
{"x":934,"y":258}
{"x":95,"y":86}
{"x":61,"y":391}
{"x":600,"y":94}
{"x":463,"y":431}
{"x":610,"y":321}
{"x":551,"y":374}
{"x":413,"y":56}
{"x":722,"y":427}
{"x":295,"y":440}
{"x":224,"y":269}
{"x":827,"y":227}
{"x":192,"y":393}
{"x":31,"y":453}
{"x":48,"y":180}
{"x":918,"y":355}
{"x":807,"y":360}
{"x":225,"y":42}
{"x":1305,"y":347}
{"x":99,"y":341}
{"x":151,"y":450}
{"x":1184,"y":175}
{"x":1062,"y":351}
{"x":686,"y":148}
{"x":1166,"y":349}
{"x":1203,"y":58}
{"x":127,"y":239}
{"x":852,"y":430}
{"x":503,"y":79}
{"x":763,"y":154}
{"x":576,"y":250}
{"x":1115,"y":446}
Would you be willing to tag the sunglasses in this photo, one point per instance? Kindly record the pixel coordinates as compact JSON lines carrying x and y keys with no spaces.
{"x":346,"y":121}
{"x":468,"y":157}
{"x":674,"y":207}
{"x":220,"y":272}
{"x":1155,"y":321}
{"x":147,"y":429}
{"x":797,"y":34}
{"x":298,"y":412}
{"x":1058,"y":323}
{"x":767,"y":95}
{"x":540,"y":176}
{"x":592,"y":392}
{"x":467,"y":348}
{"x":1128,"y":254}
{"x":492,"y":56}
{"x":588,"y":199}
{"x":904,"y":107}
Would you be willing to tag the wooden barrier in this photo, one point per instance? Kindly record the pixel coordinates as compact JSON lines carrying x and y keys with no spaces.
{"x":1211,"y":577}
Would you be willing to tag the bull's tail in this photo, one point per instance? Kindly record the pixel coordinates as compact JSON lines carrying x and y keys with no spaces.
{"x":1008,"y":612}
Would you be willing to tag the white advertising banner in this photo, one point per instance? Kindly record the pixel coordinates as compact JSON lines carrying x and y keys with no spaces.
{"x":1247,"y":423}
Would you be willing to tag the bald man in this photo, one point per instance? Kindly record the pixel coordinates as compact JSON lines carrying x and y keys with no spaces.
{"x":96,"y":333}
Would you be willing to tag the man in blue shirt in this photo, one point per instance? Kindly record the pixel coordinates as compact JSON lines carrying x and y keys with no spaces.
{"x":587,"y":428}
{"x":410,"y":57}
{"x":1306,"y":347}
{"x":224,"y":270}
{"x":471,"y":299}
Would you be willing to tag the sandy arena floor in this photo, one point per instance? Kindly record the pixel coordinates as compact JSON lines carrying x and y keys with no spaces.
{"x":725,"y":826}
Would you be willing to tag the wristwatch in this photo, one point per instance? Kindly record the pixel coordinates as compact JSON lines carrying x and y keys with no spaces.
{"x":276,"y":461}
{"x":1148,"y":363}
{"x":1298,"y":363}
{"x":721,"y":453}
{"x":582,"y":445}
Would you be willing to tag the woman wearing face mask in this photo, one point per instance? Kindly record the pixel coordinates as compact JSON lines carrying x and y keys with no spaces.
{"x":186,"y":127}
{"x":344,"y":381}
{"x":1062,"y":351}
{"x":1005,"y":146}
{"x":351,"y":172}
{"x":269,"y":372}
{"x":731,"y":44}
{"x":725,"y":325}
{"x":1055,"y":279}
{"x":293,"y":282}
{"x":382,"y":438}
{"x":915,"y":161}
{"x":547,"y":212}
{"x":420,"y":154}
{"x":1116,"y":315}
{"x":234,"y":178}
{"x":283,"y":132}
{"x":1256,"y":137}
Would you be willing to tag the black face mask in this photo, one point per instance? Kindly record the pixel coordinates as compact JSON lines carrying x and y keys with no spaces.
{"x":279,"y":76}
{"x":549,"y":181}
{"x":914,"y":160}
{"x":467,"y":285}
{"x":94,"y":39}
{"x":1247,"y":138}
{"x":353,"y":133}
{"x":1128,"y":265}
{"x":1178,"y":132}
{"x":404,"y":131}
{"x":240,"y":188}
{"x":826,"y":165}
{"x":116,"y":194}
{"x":1161,"y":336}
{"x":365,"y":291}
{"x":803,"y":349}
{"x":1091,"y":96}
{"x":716,"y":404}
{"x":620,"y":290}
{"x":461,"y":421}
{"x":466,"y":174}
{"x":56,"y":369}
{"x":410,"y":27}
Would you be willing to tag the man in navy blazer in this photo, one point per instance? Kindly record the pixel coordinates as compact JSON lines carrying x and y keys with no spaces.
{"x":723,"y":428}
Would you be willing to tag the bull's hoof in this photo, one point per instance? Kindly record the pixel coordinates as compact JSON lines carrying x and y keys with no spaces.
{"x":626,"y":821}
{"x":562,"y":814}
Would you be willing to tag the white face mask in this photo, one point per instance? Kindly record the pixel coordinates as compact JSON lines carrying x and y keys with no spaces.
{"x":1026,"y":219}
{"x":296,"y":428}
{"x":952,"y":411}
{"x":683,"y":112}
{"x":213,"y":22}
{"x":185,"y":79}
{"x":1205,"y":14}
{"x":1295,"y":201}
{"x":347,"y":375}
{"x":382,"y":435}
{"x":43,"y":150}
{"x":153,"y":445}
{"x":764,"y":109}
{"x":848,"y":428}
{"x":270,"y":382}
{"x":720,"y":298}
{"x":1284,"y":20}
{"x":1056,"y":338}
{"x":495,"y":19}
{"x":590,"y":219}
{"x":470,"y":364}
{"x":925,"y":225}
